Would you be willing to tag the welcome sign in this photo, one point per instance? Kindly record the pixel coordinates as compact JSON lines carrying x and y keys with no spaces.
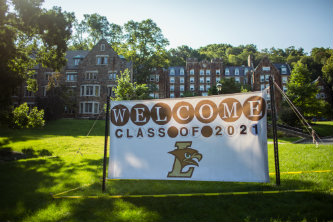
{"x":217,"y":138}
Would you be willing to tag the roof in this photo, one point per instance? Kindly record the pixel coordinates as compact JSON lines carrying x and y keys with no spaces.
{"x":241,"y":69}
{"x":176,"y":70}
{"x":75,"y":54}
{"x":283,"y":65}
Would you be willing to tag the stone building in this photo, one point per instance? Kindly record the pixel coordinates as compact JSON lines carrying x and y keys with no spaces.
{"x":279,"y":72}
{"x":88,"y":77}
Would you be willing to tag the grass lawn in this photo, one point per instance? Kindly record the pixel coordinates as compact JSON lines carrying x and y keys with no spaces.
{"x":63,"y":158}
{"x":323,"y":128}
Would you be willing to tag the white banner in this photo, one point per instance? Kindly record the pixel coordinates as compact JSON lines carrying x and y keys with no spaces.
{"x":216,"y":138}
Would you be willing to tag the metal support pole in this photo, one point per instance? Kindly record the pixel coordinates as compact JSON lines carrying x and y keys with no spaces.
{"x":276,"y":145}
{"x":106,"y":140}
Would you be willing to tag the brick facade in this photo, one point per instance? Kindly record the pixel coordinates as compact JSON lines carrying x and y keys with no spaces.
{"x":89,"y":76}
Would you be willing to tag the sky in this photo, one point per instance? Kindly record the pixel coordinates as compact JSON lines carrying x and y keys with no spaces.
{"x":197,"y":23}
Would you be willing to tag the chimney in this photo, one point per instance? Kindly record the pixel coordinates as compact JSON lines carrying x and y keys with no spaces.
{"x":250,"y":61}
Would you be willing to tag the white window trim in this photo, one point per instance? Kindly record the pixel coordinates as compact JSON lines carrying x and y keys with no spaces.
{"x":94,"y":90}
{"x":93,"y":107}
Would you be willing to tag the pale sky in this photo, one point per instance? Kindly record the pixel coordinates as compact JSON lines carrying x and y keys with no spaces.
{"x":196,"y":23}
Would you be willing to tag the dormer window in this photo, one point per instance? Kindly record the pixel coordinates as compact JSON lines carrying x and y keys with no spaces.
{"x":227,"y":72}
{"x":76,"y":62}
{"x":283,"y":70}
{"x":266,"y":68}
{"x":102,"y":47}
{"x":237,"y":72}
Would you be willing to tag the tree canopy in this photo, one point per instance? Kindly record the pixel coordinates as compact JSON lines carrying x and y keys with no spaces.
{"x":30,"y":35}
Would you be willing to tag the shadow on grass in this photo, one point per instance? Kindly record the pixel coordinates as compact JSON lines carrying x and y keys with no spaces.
{"x":19,"y":187}
{"x":25,"y":187}
{"x":62,"y":127}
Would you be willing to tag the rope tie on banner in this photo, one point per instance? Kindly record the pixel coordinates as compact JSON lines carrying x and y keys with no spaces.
{"x":306,"y":125}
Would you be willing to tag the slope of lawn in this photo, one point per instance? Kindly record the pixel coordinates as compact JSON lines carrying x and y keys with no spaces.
{"x":61,"y":157}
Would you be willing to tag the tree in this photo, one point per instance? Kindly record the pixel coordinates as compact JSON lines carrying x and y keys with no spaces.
{"x":230,"y":86}
{"x":57,"y":99}
{"x":302,"y":91}
{"x":30,"y":35}
{"x":178,"y":56}
{"x":93,"y":28}
{"x":126,"y":90}
{"x":145,"y":47}
{"x":23,"y":118}
{"x":213,"y":90}
{"x":328,"y":76}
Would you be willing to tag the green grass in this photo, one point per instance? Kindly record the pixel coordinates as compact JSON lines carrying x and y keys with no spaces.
{"x":323,"y":128}
{"x":63,"y":158}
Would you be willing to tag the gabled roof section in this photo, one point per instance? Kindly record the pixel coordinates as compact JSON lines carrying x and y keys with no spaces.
{"x":241,"y":69}
{"x":279,"y":66}
{"x":75,"y":54}
{"x":176,"y":70}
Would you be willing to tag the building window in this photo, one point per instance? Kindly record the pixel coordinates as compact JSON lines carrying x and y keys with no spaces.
{"x":181,"y":71}
{"x":284,"y":88}
{"x":76,"y":62}
{"x":156,"y":95}
{"x":207,"y":79}
{"x":172,"y":95}
{"x":208,"y":72}
{"x":181,"y":80}
{"x":246,"y":70}
{"x":284,"y":79}
{"x":91,"y":76}
{"x":227,"y":72}
{"x":102,"y":47}
{"x":102,"y":60}
{"x":48,"y":76}
{"x":262,"y":78}
{"x":267,"y":77}
{"x":202,"y":88}
{"x":172,"y":71}
{"x":71,"y":77}
{"x":172,"y":88}
{"x":44,"y":90}
{"x":237,"y":79}
{"x":89,"y":107}
{"x":218,"y":72}
{"x":202,"y":72}
{"x":28,"y":93}
{"x":237,"y":72}
{"x":110,"y":90}
{"x":182,"y":88}
{"x":152,"y":78}
{"x":90,"y":90}
{"x":207,"y":87}
{"x":112,"y":75}
{"x":262,"y":87}
{"x":218,"y":79}
{"x":157,"y":78}
{"x":283,"y":70}
{"x":192,"y":87}
{"x":192,"y":72}
{"x":202,"y":80}
{"x":191,"y":79}
{"x":323,"y":95}
{"x":266,"y":68}
{"x":172,"y":79}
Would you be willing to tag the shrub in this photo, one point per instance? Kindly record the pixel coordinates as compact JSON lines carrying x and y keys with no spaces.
{"x":22,"y":118}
